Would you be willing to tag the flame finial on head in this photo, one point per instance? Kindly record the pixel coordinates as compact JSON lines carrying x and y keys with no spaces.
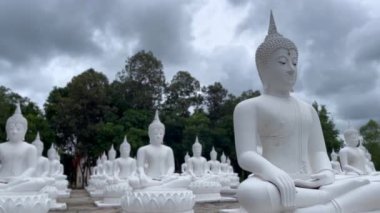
{"x":156,"y":122}
{"x":125,"y":145}
{"x":196,"y":143}
{"x":37,"y":141}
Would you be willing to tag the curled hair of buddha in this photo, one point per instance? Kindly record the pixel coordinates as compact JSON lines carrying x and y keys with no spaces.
{"x":17,"y":117}
{"x":272,"y":42}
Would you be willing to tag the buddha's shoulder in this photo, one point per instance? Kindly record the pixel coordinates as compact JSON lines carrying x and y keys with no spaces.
{"x":250,"y":104}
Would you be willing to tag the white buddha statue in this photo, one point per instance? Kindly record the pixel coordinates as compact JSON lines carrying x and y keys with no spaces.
{"x":155,"y":162}
{"x":43,"y":166}
{"x":125,"y":166}
{"x":351,"y":157}
{"x":18,"y":159}
{"x":55,"y":165}
{"x":213,"y":163}
{"x":184,"y":166}
{"x":223,"y":163}
{"x":109,"y":165}
{"x":197,"y":165}
{"x":294,"y":161}
{"x":335,"y":163}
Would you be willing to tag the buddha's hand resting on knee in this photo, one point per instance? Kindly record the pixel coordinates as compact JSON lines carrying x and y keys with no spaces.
{"x":317,"y":180}
{"x":284,"y":184}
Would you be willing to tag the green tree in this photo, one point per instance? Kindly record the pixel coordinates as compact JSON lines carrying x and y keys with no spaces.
{"x":77,"y":115}
{"x":142,"y":80}
{"x":182,"y":93}
{"x":330,"y":133}
{"x":371,"y":135}
{"x":215,"y":97}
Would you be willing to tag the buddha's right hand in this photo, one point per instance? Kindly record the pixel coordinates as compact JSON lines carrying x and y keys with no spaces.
{"x":284,"y":184}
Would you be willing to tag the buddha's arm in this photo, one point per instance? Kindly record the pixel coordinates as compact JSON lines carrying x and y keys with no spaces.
{"x":31,"y":162}
{"x":317,"y":149}
{"x":190,"y":168}
{"x":141,"y":162}
{"x":170,"y":162}
{"x":246,"y":140}
{"x":133,"y":167}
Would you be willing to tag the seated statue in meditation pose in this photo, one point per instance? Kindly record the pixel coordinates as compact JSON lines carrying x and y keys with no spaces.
{"x":184,"y":166}
{"x":109,"y":165}
{"x":352,"y":158}
{"x":155,"y":162}
{"x":197,"y":165}
{"x":223,"y":163}
{"x":125,"y":166}
{"x":213,"y":163}
{"x":294,"y":173}
{"x":335,"y":163}
{"x":18,"y":159}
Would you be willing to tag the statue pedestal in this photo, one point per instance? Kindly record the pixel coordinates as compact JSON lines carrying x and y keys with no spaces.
{"x":24,"y":202}
{"x":53,"y":194}
{"x":206,"y":191}
{"x":163,"y":201}
{"x":112,"y":195}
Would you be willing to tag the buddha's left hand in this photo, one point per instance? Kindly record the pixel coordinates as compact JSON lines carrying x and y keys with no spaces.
{"x":317,"y":180}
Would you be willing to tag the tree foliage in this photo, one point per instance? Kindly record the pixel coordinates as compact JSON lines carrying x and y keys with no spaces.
{"x":371,"y":135}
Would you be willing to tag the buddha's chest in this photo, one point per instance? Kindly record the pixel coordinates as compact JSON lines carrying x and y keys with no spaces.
{"x":156,"y":156}
{"x":283,"y":120}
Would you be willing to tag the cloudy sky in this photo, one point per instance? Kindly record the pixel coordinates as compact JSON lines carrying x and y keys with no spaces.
{"x":44,"y":43}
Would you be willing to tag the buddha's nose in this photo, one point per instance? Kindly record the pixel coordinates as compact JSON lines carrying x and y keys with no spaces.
{"x":291,"y":71}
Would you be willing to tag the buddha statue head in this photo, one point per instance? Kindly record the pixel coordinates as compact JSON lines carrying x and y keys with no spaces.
{"x":38,"y":144}
{"x":103,"y":158}
{"x":125,"y":148}
{"x":351,"y":137}
{"x":111,"y":153}
{"x":276,"y":61}
{"x":223,"y":158}
{"x":197,"y":148}
{"x":213,"y":154}
{"x":334,"y":156}
{"x":16,"y":126}
{"x":187,"y":157}
{"x":156,"y":131}
{"x":52,"y":153}
{"x":98,"y":161}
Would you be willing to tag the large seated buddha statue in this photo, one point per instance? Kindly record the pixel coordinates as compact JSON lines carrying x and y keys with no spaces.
{"x":335,"y":164}
{"x":18,"y":158}
{"x":125,"y":166}
{"x":155,"y":162}
{"x":20,"y":189}
{"x":213,"y":163}
{"x":294,"y":173}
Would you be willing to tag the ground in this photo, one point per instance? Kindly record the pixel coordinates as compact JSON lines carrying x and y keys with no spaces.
{"x":80,"y":202}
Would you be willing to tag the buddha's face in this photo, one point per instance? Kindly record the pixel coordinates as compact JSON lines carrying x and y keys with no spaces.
{"x":51,"y":155}
{"x":223,"y":159}
{"x":280,"y":72}
{"x":334,"y":157}
{"x":111,"y":155}
{"x":187,"y":158}
{"x":197,"y":151}
{"x":15,"y":131}
{"x":156,"y":135}
{"x":352,"y":139}
{"x":124,"y":153}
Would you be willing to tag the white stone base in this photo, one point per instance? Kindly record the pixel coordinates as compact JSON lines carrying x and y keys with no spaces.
{"x":228,"y":191}
{"x":63,"y":194}
{"x":58,"y":206}
{"x":24,"y":202}
{"x":96,"y":194}
{"x":232,"y":211}
{"x":163,"y":201}
{"x":107,"y":203}
{"x":216,"y":200}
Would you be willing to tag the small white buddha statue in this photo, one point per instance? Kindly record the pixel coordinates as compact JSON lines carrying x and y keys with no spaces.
{"x":184,"y":166}
{"x":43,"y":166}
{"x":155,"y":162}
{"x":294,"y":173}
{"x":125,"y":166}
{"x":197,"y":165}
{"x":109,"y":165}
{"x":335,"y":163}
{"x":351,"y":157}
{"x":213,"y":163}
{"x":223,"y":163}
